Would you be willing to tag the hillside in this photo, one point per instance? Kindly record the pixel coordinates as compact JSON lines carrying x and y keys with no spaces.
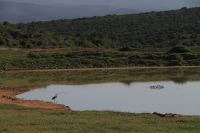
{"x":154,"y":29}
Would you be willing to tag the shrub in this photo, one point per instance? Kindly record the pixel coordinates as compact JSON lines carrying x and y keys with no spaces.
{"x":179,"y":49}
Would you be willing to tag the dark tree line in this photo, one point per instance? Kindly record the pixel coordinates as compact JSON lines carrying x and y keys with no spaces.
{"x":153,"y":29}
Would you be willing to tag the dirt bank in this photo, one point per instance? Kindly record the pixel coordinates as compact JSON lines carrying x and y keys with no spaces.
{"x":9,"y":97}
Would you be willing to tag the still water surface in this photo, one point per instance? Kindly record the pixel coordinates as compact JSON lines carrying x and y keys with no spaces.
{"x":136,"y":97}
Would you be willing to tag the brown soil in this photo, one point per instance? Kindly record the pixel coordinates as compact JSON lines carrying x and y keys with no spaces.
{"x":9,"y":97}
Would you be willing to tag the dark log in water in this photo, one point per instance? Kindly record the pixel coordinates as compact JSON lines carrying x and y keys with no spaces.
{"x":169,"y":115}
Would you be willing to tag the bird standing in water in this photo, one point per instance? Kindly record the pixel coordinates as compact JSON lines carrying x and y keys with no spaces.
{"x":54,"y":97}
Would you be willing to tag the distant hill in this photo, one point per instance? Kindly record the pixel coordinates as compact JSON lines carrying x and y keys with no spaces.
{"x":122,"y":11}
{"x":154,"y":29}
{"x":25,"y":12}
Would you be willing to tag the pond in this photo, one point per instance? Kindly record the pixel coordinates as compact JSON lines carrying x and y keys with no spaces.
{"x":180,"y":91}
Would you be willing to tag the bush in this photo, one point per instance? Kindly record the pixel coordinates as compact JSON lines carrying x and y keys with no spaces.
{"x":125,"y":49}
{"x":179,"y":49}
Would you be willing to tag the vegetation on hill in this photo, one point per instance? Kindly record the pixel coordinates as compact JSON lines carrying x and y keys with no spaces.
{"x":154,"y":29}
{"x":168,"y":38}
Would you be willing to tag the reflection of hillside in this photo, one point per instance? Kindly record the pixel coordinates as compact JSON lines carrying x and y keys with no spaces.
{"x":126,"y":82}
{"x":39,"y":79}
{"x":180,"y":80}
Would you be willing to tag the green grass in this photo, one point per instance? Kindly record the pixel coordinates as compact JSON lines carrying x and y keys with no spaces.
{"x":15,"y":119}
{"x":82,"y":58}
{"x":6,"y":55}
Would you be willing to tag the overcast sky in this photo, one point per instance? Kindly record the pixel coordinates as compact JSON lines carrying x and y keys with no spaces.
{"x":135,"y":4}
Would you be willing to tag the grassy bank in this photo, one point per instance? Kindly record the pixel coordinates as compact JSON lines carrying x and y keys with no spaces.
{"x":16,"y":119}
{"x":96,"y":58}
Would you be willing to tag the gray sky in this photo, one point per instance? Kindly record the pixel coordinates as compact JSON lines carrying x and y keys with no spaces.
{"x":135,"y":4}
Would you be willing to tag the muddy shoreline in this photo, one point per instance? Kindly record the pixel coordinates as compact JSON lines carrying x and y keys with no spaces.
{"x":9,"y":97}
